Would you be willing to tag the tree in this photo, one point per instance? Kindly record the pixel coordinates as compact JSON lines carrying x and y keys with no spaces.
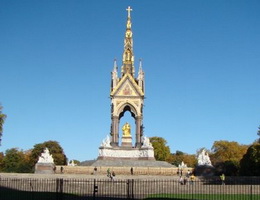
{"x":15,"y":161}
{"x":226,"y":156}
{"x":258,"y":133}
{"x":250,"y":163}
{"x":161,"y":151}
{"x":179,"y":156}
{"x":2,"y":120}
{"x":55,"y":150}
{"x":1,"y":160}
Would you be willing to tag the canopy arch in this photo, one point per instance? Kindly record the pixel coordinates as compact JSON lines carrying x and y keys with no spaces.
{"x":127,"y":107}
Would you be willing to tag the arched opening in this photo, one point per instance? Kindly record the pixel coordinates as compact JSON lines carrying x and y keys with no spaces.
{"x":127,"y":116}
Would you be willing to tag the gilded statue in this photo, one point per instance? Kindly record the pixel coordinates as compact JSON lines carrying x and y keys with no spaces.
{"x":126,"y":129}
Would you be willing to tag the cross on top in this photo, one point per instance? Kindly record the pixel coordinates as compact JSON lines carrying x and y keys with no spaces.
{"x":129,"y":9}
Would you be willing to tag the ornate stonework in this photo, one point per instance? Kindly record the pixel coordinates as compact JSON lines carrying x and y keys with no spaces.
{"x":127,"y":94}
{"x":139,"y":154}
{"x":45,"y":157}
{"x":203,"y":159}
{"x":45,"y":164}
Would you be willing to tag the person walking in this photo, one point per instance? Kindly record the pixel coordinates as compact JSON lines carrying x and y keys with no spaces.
{"x":192,"y":179}
{"x":108,"y":172}
{"x":222,"y":178}
{"x":132,"y":171}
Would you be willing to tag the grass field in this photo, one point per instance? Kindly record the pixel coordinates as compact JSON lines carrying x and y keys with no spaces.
{"x":205,"y":196}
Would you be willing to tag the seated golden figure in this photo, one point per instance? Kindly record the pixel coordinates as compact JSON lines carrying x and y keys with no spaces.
{"x":126,"y":129}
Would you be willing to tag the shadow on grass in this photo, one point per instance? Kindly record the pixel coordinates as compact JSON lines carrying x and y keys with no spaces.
{"x":173,"y":198}
{"x":12,"y":194}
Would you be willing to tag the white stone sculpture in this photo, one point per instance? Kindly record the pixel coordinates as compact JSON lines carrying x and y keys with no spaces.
{"x":182,"y":165}
{"x":45,"y":157}
{"x":72,"y":163}
{"x":120,"y":153}
{"x":203,"y":158}
{"x":146,"y":142}
{"x":106,"y":142}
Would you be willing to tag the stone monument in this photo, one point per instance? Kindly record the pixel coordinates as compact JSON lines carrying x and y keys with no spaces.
{"x":203,"y":159}
{"x":127,"y":95}
{"x":204,"y":166}
{"x":45,"y":164}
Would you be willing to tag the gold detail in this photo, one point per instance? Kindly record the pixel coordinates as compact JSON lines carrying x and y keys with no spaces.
{"x":126,"y":130}
{"x":129,"y":9}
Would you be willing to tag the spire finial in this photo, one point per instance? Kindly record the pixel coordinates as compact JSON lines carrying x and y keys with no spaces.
{"x":115,"y":65}
{"x":140,"y":63}
{"x":129,"y":9}
{"x":128,"y":55}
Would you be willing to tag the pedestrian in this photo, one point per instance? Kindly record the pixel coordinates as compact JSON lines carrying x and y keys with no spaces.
{"x":54,"y":169}
{"x":184,"y":180}
{"x":132,"y":171}
{"x":61,"y":170}
{"x":181,"y":181}
{"x":113,"y":175}
{"x":95,"y":170}
{"x":192,"y":179}
{"x":222,"y":178}
{"x":188,"y":174}
{"x":108,"y":172}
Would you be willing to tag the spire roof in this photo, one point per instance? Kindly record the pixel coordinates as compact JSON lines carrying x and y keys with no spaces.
{"x":128,"y":54}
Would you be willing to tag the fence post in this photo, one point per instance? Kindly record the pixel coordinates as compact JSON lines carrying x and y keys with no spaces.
{"x":192,"y":191}
{"x":95,"y":189}
{"x":132,"y":188}
{"x":59,"y":189}
{"x":251,"y":192}
{"x":128,"y":189}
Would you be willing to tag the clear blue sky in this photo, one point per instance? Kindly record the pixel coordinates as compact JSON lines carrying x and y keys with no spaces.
{"x":201,"y":61}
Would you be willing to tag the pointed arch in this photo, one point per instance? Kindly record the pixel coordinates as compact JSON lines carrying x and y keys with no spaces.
{"x":127,"y":107}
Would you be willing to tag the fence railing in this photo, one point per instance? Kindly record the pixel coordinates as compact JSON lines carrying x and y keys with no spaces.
{"x":234,"y":188}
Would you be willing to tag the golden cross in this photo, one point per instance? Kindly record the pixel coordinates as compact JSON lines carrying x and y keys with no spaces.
{"x":129,"y":9}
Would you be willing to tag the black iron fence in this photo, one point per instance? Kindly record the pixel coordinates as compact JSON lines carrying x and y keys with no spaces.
{"x":234,"y":188}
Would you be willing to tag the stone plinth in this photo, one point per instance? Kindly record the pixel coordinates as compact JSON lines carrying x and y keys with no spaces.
{"x":44,"y":168}
{"x":109,"y":153}
{"x":204,"y":170}
{"x":126,"y":141}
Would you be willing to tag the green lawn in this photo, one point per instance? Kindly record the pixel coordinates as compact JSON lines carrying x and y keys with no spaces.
{"x":205,"y":196}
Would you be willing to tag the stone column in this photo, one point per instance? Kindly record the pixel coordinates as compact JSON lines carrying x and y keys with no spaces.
{"x":138,"y":122}
{"x":115,"y":123}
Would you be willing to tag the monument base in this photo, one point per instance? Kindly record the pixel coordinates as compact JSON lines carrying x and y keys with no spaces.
{"x":44,"y":168}
{"x":204,"y":170}
{"x":122,"y":153}
{"x":126,"y":141}
{"x":132,"y":163}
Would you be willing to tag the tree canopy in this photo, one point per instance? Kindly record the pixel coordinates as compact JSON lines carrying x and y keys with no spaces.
{"x":226,"y":156}
{"x":258,"y":133}
{"x":15,"y":160}
{"x":179,"y":156}
{"x":250,"y":163}
{"x":161,"y":151}
{"x":2,"y":120}
{"x":55,"y":150}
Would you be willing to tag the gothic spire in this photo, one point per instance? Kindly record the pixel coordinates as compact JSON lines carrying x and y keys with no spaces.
{"x":128,"y":55}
